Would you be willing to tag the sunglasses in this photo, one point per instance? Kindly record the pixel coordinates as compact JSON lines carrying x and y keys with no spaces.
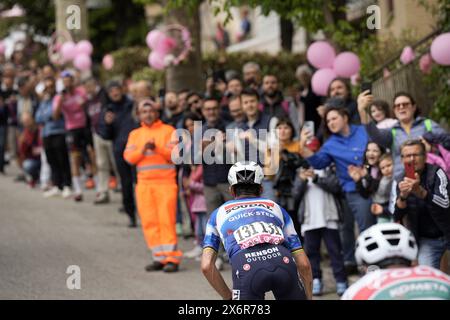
{"x":402,"y":104}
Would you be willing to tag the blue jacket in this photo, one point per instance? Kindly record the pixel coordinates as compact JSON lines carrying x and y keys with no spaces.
{"x":343,"y":151}
{"x":44,"y":117}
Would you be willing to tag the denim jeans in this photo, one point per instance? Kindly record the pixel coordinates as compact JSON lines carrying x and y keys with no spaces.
{"x":359,"y":209}
{"x":313,"y":239}
{"x":32,"y":168}
{"x":200,"y":226}
{"x":431,"y":251}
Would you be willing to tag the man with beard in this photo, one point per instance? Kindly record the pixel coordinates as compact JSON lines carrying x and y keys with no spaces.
{"x":273,"y":103}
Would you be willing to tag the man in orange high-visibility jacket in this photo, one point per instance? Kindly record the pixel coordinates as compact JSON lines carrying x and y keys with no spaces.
{"x":149,"y":148}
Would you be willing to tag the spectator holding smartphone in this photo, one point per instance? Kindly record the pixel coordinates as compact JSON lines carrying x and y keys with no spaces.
{"x":424,"y":201}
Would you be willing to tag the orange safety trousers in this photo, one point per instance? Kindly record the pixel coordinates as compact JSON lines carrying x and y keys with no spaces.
{"x":157,"y":206}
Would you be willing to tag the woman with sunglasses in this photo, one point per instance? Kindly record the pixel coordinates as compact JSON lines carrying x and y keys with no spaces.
{"x":410,"y":125}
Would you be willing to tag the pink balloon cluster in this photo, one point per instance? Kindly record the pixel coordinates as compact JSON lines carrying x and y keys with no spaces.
{"x":79,"y":53}
{"x":162,"y":46}
{"x":322,"y":55}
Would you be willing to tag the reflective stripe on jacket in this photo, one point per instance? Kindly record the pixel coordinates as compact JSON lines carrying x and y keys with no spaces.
{"x":152,"y":164}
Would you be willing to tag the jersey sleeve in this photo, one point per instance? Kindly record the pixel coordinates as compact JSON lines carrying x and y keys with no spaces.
{"x":291,"y":237}
{"x":212,"y":236}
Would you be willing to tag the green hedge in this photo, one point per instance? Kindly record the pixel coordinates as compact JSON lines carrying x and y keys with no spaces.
{"x":132,"y":62}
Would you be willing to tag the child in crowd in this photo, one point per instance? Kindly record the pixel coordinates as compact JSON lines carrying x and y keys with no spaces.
{"x":198,"y":209}
{"x":368,"y":176}
{"x":382,"y":195}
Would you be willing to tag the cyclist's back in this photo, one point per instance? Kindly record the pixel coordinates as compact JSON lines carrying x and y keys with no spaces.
{"x":418,"y":283}
{"x":259,"y":237}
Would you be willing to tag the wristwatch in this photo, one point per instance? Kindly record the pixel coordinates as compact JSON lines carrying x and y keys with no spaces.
{"x":403,"y":199}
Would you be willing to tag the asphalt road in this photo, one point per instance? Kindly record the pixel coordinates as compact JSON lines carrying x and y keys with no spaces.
{"x":41,"y":238}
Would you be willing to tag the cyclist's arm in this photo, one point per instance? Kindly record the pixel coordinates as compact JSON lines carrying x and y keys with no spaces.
{"x":213,"y":275}
{"x":304,"y":271}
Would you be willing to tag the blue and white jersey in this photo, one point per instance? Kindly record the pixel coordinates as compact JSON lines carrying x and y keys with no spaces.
{"x":246,"y":222}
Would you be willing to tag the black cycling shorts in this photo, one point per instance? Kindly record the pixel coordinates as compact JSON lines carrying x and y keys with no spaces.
{"x":263,"y":268}
{"x":79,"y":139}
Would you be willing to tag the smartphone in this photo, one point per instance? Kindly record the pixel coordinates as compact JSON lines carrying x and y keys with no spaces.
{"x":366,"y":86}
{"x":310,"y":126}
{"x":409,"y":170}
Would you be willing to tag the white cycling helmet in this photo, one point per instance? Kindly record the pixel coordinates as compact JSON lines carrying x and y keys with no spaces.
{"x":245,"y":173}
{"x":385,"y":241}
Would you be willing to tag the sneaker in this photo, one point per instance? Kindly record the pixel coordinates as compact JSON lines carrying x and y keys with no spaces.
{"x":317,"y":287}
{"x":20,"y":178}
{"x":155,"y":266}
{"x":341,"y":287}
{"x":53,"y":192}
{"x":196,"y":252}
{"x":66,"y":193}
{"x":219,"y":263}
{"x":78,"y":197}
{"x":102,"y":198}
{"x":89,"y":184}
{"x":170,"y":267}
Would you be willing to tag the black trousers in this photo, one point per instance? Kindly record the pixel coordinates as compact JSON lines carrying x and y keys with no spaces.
{"x":127,"y":178}
{"x":58,"y":158}
{"x":3,"y":133}
{"x":312,"y":241}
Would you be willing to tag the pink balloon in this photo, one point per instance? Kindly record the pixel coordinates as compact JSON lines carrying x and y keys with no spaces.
{"x":425,"y":63}
{"x":346,"y":64}
{"x":407,"y":55}
{"x":108,"y":62}
{"x":84,"y":47}
{"x":321,"y":80}
{"x":440,"y":49}
{"x":156,"y":60}
{"x":153,"y":38}
{"x":166,"y":45}
{"x":82,"y":62}
{"x":321,"y":54}
{"x":68,"y":51}
{"x":2,"y":47}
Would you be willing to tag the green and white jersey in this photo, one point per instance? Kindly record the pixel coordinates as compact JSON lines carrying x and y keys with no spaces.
{"x":418,"y":283}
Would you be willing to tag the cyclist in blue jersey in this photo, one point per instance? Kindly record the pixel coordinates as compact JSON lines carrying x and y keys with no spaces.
{"x":259,"y":237}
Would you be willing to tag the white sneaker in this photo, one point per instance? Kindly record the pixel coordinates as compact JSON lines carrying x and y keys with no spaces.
{"x":196,"y":252}
{"x":53,"y":192}
{"x":67,"y":193}
{"x":219,"y":263}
